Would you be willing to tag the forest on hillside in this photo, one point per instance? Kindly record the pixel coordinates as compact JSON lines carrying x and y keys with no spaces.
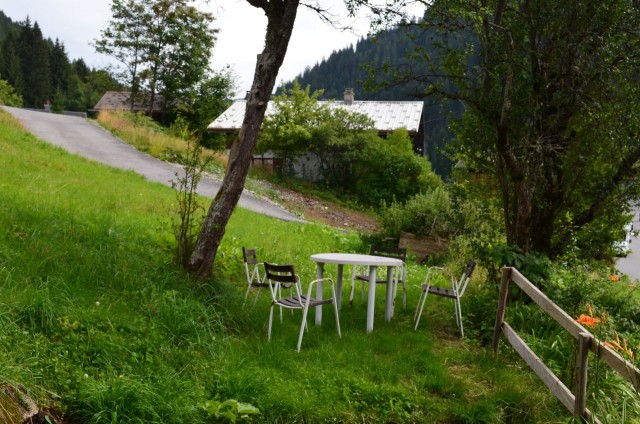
{"x":40,"y":70}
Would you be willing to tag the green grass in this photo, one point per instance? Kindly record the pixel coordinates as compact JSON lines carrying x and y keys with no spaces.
{"x":97,"y":320}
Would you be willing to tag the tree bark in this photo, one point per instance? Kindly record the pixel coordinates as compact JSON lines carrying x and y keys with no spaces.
{"x":281,"y":15}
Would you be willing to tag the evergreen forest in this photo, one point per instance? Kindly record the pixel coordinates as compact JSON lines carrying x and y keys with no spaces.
{"x":40,"y":70}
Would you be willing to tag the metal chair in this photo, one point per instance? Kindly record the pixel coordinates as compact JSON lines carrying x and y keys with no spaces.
{"x":277,"y":275}
{"x":362,"y":273}
{"x":254,"y":279}
{"x":252,"y":271}
{"x":457,"y":290}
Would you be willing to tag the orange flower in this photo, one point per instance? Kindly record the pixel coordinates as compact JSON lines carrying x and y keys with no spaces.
{"x":614,"y":278}
{"x":588,"y":321}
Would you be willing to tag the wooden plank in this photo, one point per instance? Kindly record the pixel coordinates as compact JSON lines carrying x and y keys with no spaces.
{"x":554,"y":384}
{"x":561,"y":317}
{"x":623,"y":367}
{"x":502,"y":306}
{"x":582,"y":366}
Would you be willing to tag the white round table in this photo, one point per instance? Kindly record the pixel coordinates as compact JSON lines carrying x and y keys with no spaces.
{"x":373,"y":262}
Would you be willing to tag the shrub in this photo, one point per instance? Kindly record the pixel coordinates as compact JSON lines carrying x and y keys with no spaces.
{"x":8,"y":95}
{"x":425,"y":214}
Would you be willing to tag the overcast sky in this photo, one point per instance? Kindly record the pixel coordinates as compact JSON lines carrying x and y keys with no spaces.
{"x":77,"y":22}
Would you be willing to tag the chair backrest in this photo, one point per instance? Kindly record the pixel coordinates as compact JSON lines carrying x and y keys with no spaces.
{"x":389,"y":252}
{"x":280,"y":275}
{"x":465,"y":277}
{"x":251,"y":265}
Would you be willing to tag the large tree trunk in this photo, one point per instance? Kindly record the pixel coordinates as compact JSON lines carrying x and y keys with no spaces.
{"x":281,"y":15}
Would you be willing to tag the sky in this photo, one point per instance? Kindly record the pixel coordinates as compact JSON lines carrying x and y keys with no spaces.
{"x":77,"y":22}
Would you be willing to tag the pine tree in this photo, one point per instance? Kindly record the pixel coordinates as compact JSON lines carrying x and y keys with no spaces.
{"x":34,"y":59}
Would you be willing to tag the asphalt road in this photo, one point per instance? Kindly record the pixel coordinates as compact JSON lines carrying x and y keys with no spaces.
{"x":630,"y":265}
{"x":87,"y":139}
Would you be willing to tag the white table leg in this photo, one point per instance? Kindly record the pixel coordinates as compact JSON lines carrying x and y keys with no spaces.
{"x":339,"y":286}
{"x":388,"y":310}
{"x":319,"y":275}
{"x":372,"y":298}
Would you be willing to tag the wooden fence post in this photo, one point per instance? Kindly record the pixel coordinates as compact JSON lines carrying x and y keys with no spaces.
{"x":502,"y":306}
{"x":582,"y":362}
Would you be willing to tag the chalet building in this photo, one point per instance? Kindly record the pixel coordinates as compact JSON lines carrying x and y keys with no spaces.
{"x":387,"y":116}
{"x":121,"y":101}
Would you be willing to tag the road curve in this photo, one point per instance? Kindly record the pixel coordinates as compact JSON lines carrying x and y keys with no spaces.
{"x":85,"y":138}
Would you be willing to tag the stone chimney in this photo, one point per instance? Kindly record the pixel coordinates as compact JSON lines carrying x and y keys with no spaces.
{"x":348,"y":96}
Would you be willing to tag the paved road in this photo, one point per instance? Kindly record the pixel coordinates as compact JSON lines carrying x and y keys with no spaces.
{"x":81,"y":136}
{"x":630,"y":264}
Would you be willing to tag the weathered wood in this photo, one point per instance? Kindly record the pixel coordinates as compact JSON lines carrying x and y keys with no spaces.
{"x":623,"y":367}
{"x":564,"y":319}
{"x":582,"y":362}
{"x":422,"y":247}
{"x":502,"y":306}
{"x":554,"y":384}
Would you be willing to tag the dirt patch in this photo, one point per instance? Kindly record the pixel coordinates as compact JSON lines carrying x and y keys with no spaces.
{"x":316,"y":209}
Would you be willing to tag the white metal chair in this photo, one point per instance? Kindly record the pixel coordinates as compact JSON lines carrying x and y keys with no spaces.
{"x":362,"y":273}
{"x":252,"y":272}
{"x":457,"y":290}
{"x":276,"y":275}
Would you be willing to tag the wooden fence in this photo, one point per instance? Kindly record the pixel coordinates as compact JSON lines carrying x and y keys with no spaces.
{"x":574,"y":402}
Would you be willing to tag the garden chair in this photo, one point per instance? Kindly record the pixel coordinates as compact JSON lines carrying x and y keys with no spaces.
{"x":362,"y":273}
{"x":254,"y":278}
{"x":276,"y":276}
{"x":457,"y":290}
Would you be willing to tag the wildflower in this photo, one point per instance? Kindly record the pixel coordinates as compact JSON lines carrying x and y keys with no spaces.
{"x":587,"y":320}
{"x":614,"y":278}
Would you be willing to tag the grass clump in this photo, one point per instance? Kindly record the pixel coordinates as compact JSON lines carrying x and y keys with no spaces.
{"x":99,"y":322}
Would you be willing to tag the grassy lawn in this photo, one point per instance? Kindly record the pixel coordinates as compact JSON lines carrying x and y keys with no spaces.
{"x":98,"y":322}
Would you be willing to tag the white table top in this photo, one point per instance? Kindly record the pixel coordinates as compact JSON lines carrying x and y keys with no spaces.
{"x":355,"y":259}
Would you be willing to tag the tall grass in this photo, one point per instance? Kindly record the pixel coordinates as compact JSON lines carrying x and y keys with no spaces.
{"x":146,"y":135}
{"x":98,"y":321}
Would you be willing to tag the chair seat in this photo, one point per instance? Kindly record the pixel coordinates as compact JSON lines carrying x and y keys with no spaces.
{"x":293,"y":302}
{"x":439,"y":291}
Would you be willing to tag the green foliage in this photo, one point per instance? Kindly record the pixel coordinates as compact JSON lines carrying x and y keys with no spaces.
{"x":389,"y":170}
{"x":230,"y":411}
{"x":189,"y":212}
{"x":319,"y":141}
{"x":536,"y":267}
{"x":57,"y":106}
{"x":164,"y":47}
{"x":8,"y":95}
{"x":425,"y":214}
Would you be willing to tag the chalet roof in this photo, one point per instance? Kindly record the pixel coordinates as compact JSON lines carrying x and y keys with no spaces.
{"x":121,"y":100}
{"x":387,"y":116}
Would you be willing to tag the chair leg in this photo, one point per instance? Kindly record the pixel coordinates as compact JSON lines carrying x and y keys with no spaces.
{"x":335,"y":311}
{"x":270,"y":321}
{"x":404,"y":289}
{"x":255,"y":302}
{"x":421,"y":305}
{"x":353,"y":290}
{"x":246,"y":295}
{"x":460,"y":318}
{"x":304,"y":324}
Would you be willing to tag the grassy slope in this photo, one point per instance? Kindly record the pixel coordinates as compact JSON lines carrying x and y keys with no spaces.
{"x":96,"y":318}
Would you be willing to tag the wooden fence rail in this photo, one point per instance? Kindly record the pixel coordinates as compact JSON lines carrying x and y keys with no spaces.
{"x":574,"y":402}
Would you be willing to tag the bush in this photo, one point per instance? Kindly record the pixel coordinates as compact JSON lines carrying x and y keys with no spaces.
{"x":425,"y":214}
{"x":8,"y":95}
